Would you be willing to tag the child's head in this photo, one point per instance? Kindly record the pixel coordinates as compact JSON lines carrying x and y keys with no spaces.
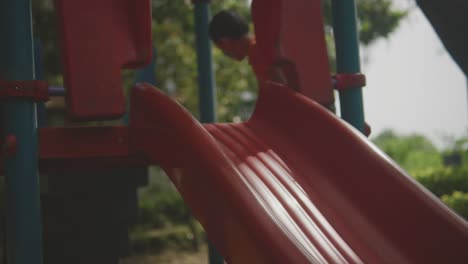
{"x":229,"y":32}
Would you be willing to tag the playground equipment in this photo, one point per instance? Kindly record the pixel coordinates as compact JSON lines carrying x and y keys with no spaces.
{"x":294,"y":184}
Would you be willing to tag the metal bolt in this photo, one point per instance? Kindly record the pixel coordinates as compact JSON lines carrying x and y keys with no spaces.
{"x":11,"y":145}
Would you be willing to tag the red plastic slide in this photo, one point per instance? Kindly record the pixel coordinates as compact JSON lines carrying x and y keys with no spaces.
{"x":294,"y":184}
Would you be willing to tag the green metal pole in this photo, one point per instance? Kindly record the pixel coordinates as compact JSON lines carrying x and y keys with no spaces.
{"x":39,"y":75}
{"x":24,"y":242}
{"x":347,"y":59}
{"x":206,"y":85}
{"x":147,"y":74}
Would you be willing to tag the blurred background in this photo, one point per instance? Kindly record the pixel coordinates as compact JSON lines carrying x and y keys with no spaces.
{"x":415,"y":102}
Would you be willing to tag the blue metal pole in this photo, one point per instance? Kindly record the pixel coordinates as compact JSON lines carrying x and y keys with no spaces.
{"x":206,"y":84}
{"x":24,"y":245}
{"x":347,"y":59}
{"x":56,"y":91}
{"x":39,"y":75}
{"x":148,"y":74}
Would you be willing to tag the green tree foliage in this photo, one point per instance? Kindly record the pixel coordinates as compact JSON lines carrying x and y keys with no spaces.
{"x":413,"y":152}
{"x":417,"y":155}
{"x":444,"y":181}
{"x":160,"y":204}
{"x":45,"y":30}
{"x":377,"y":18}
{"x":458,"y":201}
{"x":176,"y":66}
{"x":173,"y":28}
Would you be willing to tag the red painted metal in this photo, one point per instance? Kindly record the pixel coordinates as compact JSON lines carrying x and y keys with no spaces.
{"x":367,"y":129}
{"x":81,"y":148}
{"x":349,"y":80}
{"x":76,"y":148}
{"x":35,"y":89}
{"x":98,"y":39}
{"x":83,"y":142}
{"x":293,"y":31}
{"x":294,"y":184}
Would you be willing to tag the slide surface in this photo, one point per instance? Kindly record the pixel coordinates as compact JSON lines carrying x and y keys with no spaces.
{"x":294,"y":184}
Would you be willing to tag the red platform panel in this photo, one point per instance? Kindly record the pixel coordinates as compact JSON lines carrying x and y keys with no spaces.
{"x":78,"y":148}
{"x":99,"y":38}
{"x":294,"y":31}
{"x":83,"y":142}
{"x":276,"y":189}
{"x":65,"y":149}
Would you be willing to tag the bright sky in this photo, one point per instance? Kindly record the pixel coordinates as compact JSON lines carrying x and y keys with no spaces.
{"x":413,"y":85}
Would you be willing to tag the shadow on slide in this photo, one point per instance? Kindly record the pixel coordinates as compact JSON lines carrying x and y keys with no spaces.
{"x":294,"y":184}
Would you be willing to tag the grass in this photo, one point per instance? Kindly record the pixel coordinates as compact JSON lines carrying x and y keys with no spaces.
{"x":172,"y":244}
{"x":171,"y":256}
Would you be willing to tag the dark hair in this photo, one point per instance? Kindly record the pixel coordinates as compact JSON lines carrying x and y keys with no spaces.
{"x":228,"y":24}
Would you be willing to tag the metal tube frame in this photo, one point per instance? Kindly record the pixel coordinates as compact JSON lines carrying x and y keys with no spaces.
{"x":23,"y":220}
{"x":206,"y":84}
{"x":347,"y":60}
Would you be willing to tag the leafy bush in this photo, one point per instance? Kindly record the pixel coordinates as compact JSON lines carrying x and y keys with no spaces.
{"x":160,"y":203}
{"x":165,"y":220}
{"x":451,"y":184}
{"x":163,"y":209}
{"x":458,"y":201}
{"x":444,"y":181}
{"x":412,"y":152}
